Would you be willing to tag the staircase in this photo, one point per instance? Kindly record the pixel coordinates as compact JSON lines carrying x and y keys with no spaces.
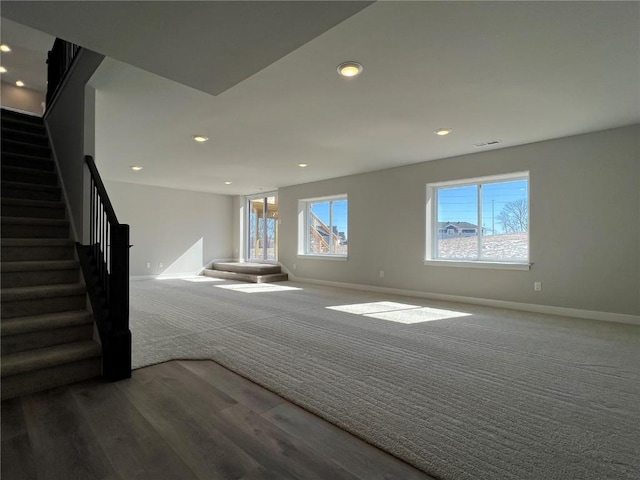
{"x":247,"y":272}
{"x":46,"y":330}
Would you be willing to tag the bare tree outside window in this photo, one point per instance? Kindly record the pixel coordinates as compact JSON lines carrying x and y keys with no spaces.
{"x":484,"y":219}
{"x":514,"y":216}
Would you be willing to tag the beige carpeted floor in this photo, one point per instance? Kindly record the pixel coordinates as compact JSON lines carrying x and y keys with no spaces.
{"x":460,"y":391}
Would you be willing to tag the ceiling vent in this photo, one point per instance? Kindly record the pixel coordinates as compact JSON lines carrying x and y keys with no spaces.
{"x":490,"y":143}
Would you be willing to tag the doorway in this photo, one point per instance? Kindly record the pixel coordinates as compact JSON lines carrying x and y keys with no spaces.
{"x":262,"y":227}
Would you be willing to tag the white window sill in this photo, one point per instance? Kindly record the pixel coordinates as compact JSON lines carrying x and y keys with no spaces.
{"x":340,"y":258}
{"x":471,"y":264}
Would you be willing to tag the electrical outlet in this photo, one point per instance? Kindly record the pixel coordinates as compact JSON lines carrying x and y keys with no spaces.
{"x":160,"y":265}
{"x":148,"y":265}
{"x":381,"y":273}
{"x":294,"y":266}
{"x":537,"y":286}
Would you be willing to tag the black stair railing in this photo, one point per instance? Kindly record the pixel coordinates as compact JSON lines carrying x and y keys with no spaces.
{"x":59,"y":61}
{"x":105,"y":262}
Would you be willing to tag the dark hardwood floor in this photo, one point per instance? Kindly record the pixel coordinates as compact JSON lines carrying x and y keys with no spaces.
{"x":181,"y":420}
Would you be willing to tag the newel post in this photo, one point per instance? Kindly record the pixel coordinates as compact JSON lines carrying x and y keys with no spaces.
{"x":117,"y":348}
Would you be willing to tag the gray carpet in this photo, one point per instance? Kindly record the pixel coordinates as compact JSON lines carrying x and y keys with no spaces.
{"x":459,"y":391}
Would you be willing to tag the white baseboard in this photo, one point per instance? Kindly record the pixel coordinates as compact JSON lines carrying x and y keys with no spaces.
{"x":168,"y":276}
{"x":142,"y":277}
{"x":526,"y":307}
{"x":209,"y":264}
{"x":180,"y":274}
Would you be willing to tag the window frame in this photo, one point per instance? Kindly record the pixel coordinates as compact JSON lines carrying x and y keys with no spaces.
{"x":247,"y":228}
{"x":304,"y":208}
{"x":430,"y":258}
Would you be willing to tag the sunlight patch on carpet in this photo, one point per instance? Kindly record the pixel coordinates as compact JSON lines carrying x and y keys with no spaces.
{"x":202,"y":279}
{"x":418,"y":315}
{"x":398,"y":312}
{"x":257,"y":288}
{"x":372,"y":307}
{"x":188,"y":278}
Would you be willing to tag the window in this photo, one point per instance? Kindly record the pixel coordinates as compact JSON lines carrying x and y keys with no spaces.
{"x":482,"y":220}
{"x":262,"y":227}
{"x":323,"y":226}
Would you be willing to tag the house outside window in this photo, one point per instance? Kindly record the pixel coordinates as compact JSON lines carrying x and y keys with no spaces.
{"x":323,"y":226}
{"x":479,"y":221}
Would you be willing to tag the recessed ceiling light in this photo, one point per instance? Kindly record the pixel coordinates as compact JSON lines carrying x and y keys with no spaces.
{"x":443,"y":131}
{"x":3,"y":70}
{"x":349,"y":69}
{"x":20,"y":83}
{"x":303,"y":165}
{"x":136,"y":168}
{"x":5,"y":48}
{"x":200,"y":138}
{"x":228,"y":182}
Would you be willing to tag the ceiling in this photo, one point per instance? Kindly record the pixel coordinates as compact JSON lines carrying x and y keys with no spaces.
{"x":518,"y":72}
{"x":28,"y":58}
{"x":209,"y":46}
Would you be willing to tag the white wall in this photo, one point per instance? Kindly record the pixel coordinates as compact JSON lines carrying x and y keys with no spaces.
{"x":239,"y":234}
{"x":65,"y":119}
{"x":181,"y":229}
{"x":22,"y":98}
{"x":584,"y":225}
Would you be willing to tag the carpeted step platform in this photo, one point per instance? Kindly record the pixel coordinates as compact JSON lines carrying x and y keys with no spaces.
{"x":247,"y":277}
{"x":247,"y":267}
{"x":247,"y":272}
